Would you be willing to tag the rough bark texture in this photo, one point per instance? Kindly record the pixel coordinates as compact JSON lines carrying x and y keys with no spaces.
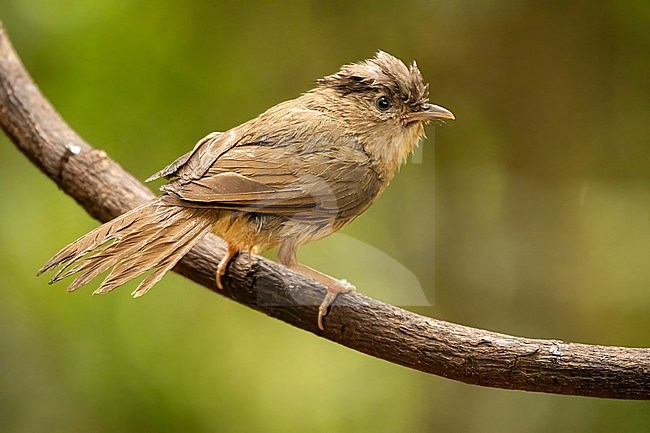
{"x":454,"y":351}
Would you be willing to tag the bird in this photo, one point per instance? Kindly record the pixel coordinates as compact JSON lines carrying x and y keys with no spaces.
{"x":296,"y":173}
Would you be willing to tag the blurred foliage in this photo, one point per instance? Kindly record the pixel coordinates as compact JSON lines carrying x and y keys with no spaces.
{"x":528,"y":215}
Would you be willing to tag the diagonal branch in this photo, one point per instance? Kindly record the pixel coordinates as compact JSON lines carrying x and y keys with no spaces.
{"x":454,"y":351}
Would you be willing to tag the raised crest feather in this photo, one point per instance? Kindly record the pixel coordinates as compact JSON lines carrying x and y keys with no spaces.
{"x":382,"y":72}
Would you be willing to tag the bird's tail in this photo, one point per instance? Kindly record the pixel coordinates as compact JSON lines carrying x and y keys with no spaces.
{"x":153,"y":236}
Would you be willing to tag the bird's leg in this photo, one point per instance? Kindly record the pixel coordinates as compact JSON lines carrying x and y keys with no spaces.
{"x":223,"y":264}
{"x":287,"y":256}
{"x":334,"y":287}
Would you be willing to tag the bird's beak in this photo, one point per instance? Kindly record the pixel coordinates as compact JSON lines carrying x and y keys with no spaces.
{"x":431,"y":112}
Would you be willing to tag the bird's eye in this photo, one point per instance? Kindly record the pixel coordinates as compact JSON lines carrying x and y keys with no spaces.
{"x":383,"y":103}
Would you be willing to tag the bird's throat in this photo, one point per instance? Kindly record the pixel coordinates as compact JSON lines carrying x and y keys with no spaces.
{"x":391,"y":151}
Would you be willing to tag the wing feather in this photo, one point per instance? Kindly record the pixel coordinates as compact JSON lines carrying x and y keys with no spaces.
{"x":297,"y":163}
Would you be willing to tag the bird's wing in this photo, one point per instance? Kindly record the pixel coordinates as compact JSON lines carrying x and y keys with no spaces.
{"x":282,"y":125}
{"x":308,"y":170}
{"x":196,"y":162}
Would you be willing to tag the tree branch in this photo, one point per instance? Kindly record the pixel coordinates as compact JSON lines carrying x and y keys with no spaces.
{"x":454,"y":351}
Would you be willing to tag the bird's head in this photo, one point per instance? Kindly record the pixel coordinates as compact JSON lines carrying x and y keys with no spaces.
{"x":385,"y":104}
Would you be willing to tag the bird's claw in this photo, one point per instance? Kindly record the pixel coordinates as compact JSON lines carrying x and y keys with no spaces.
{"x":221,"y":270}
{"x":333,"y":290}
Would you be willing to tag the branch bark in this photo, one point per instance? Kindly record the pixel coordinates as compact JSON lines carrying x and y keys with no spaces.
{"x":475,"y":356}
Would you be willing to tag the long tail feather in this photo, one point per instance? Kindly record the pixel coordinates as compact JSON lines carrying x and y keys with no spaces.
{"x":180,"y":249}
{"x":92,"y":239}
{"x":154,"y":236}
{"x":109,"y":254}
{"x":150,"y":255}
{"x":91,"y":267}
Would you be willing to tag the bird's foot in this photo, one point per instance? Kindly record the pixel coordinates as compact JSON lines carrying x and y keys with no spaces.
{"x":334,"y":287}
{"x":223,"y":264}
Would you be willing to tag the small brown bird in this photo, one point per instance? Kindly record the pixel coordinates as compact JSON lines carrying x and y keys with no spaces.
{"x":296,"y":173}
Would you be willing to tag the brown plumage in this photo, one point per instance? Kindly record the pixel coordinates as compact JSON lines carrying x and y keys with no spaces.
{"x":296,"y":173}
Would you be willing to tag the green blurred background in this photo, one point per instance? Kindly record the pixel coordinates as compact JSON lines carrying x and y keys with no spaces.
{"x":529,"y":215}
